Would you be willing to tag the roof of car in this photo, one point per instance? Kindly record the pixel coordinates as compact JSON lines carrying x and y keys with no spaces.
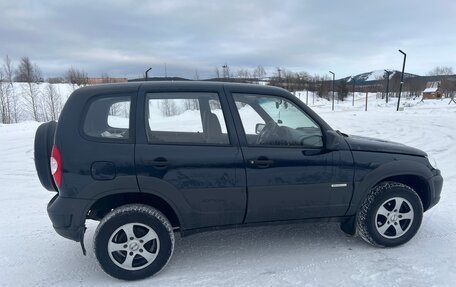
{"x":181,"y":84}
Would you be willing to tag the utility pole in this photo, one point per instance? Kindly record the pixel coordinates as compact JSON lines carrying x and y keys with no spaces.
{"x":402,"y":79}
{"x":313,"y":94}
{"x":147,"y":73}
{"x":387,"y":83}
{"x":280,"y":77}
{"x":334,"y":78}
{"x":353,"y":101}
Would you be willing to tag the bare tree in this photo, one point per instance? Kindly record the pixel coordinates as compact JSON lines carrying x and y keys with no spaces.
{"x":323,"y":86}
{"x":168,"y":108}
{"x":217,"y":72}
{"x":12,"y":100}
{"x":243,"y":74}
{"x":6,"y":92}
{"x":76,"y":77}
{"x":105,"y":78}
{"x":53,"y":103}
{"x":191,"y":104}
{"x":342,"y":89}
{"x":441,"y":70}
{"x":56,"y":80}
{"x":259,"y":72}
{"x":4,"y":112}
{"x":31,"y":75}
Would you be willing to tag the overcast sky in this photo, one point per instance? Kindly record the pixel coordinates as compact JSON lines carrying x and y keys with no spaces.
{"x":124,"y":38}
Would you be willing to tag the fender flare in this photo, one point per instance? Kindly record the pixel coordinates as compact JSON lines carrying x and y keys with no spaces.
{"x":384,"y":171}
{"x":153,"y":192}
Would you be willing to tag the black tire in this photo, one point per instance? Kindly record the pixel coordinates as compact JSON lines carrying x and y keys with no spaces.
{"x":142,"y":217}
{"x":44,"y":140}
{"x":370,"y":224}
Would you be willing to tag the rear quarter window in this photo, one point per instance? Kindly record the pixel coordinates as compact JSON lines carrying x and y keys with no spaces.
{"x":108,"y":118}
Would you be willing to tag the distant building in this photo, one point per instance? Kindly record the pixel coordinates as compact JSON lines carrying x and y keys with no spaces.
{"x":105,"y":80}
{"x":432,"y":91}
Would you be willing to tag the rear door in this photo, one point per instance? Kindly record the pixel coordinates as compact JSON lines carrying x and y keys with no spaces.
{"x":187,"y":154}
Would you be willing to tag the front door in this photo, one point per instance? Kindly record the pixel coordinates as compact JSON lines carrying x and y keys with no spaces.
{"x":188,"y":158}
{"x":289,"y":173}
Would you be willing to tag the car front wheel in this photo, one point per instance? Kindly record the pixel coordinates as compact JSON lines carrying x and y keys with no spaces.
{"x":390,"y":215}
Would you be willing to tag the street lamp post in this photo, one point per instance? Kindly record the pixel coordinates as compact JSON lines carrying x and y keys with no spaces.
{"x":147,"y":72}
{"x":279,"y":70}
{"x":387,"y":83}
{"x":334,"y":78}
{"x":402,"y":79}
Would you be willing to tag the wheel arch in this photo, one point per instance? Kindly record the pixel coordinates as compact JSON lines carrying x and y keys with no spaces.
{"x":104,"y":205}
{"x":410,"y":173}
{"x":417,"y":183}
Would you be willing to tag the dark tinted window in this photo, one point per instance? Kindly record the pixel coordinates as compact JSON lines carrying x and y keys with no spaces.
{"x":194,"y":118}
{"x":108,"y":118}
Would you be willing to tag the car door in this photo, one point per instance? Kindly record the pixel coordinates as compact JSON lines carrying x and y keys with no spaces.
{"x":187,"y":155}
{"x":290,"y":175}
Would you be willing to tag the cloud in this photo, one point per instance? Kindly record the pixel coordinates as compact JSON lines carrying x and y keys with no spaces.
{"x":123,"y":38}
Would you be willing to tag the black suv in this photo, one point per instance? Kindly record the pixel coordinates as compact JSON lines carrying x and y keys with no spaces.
{"x":148,"y":159}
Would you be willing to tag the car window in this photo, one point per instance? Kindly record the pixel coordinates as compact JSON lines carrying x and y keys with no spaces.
{"x":249,"y":117}
{"x":276,"y":121}
{"x":109,"y":118}
{"x":194,"y":118}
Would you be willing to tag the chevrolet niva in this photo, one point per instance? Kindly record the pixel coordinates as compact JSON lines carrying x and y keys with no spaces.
{"x":149,"y":159}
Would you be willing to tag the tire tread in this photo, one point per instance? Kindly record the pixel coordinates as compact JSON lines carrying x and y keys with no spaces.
{"x":362,"y":217}
{"x":127,"y":209}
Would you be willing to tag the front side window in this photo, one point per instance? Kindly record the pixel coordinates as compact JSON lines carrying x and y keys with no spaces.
{"x":108,"y":118}
{"x":276,"y":121}
{"x":193,"y":118}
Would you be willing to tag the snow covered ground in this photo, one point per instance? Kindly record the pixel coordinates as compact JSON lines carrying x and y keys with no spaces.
{"x":32,"y":254}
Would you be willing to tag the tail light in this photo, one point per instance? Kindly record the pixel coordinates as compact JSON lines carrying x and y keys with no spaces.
{"x":56,"y":166}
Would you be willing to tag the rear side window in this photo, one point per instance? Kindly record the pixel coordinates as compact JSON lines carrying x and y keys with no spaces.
{"x":108,"y":118}
{"x":180,"y":118}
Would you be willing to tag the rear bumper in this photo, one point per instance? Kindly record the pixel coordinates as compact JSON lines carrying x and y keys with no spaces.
{"x":436,"y":184}
{"x":68,"y":216}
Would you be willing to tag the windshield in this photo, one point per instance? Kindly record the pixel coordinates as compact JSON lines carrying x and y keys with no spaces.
{"x":285,"y":113}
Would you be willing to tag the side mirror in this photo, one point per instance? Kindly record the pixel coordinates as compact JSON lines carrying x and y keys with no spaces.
{"x":259,"y":128}
{"x":333,"y":140}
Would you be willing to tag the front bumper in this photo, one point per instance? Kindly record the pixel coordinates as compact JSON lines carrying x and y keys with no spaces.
{"x":68,"y":216}
{"x":436,"y":184}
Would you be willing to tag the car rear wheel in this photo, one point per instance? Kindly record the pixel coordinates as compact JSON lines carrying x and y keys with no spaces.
{"x":134,"y":242}
{"x":390,"y":215}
